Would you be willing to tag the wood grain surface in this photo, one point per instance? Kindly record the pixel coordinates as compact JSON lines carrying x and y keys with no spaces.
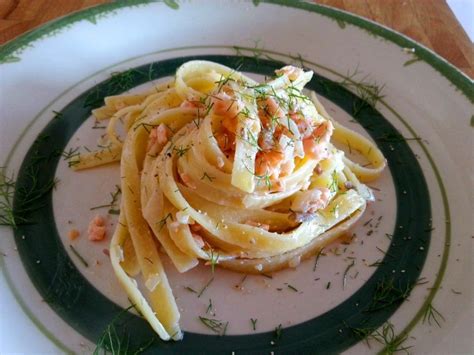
{"x":430,"y":22}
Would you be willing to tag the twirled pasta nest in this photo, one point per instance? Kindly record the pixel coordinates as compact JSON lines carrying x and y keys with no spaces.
{"x":217,"y":167}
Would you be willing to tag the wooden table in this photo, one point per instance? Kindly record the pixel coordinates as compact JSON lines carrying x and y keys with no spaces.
{"x":430,"y":22}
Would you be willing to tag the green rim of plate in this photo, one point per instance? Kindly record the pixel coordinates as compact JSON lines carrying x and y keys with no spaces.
{"x":9,"y":52}
{"x":89,"y":312}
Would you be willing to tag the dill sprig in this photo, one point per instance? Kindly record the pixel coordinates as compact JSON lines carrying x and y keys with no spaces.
{"x":113,"y":201}
{"x":205,"y":287}
{"x":217,"y":326}
{"x":432,"y":315}
{"x":79,"y":256}
{"x":181,"y":151}
{"x":254,"y":323}
{"x":118,"y":343}
{"x":292,"y":288}
{"x":385,"y":336}
{"x":213,"y":259}
{"x":369,"y":93}
{"x":278,"y":332}
{"x":29,"y":196}
{"x":207,"y":176}
{"x":394,"y":138}
{"x":162,"y":222}
{"x":317,"y":259}
{"x":344,"y":277}
{"x":334,"y":185}
{"x":190,"y":289}
{"x":387,"y":294}
{"x":210,"y":307}
{"x":7,"y":189}
{"x":118,"y":83}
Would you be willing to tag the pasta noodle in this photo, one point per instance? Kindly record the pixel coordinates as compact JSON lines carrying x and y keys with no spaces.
{"x":217,"y":167}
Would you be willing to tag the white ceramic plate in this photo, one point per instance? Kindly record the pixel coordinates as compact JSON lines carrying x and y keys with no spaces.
{"x":408,"y":274}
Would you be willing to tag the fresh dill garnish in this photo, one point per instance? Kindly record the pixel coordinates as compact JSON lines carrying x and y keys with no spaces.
{"x":97,"y":125}
{"x":411,"y":61}
{"x":238,"y":286}
{"x":317,"y":259}
{"x":209,"y":307}
{"x":341,"y":23}
{"x":79,"y":256}
{"x":278,"y":332}
{"x":344,"y":277}
{"x":207,"y":176}
{"x":376,"y":263}
{"x":334,"y":185}
{"x":28,"y":197}
{"x":291,"y":287}
{"x":431,"y":314}
{"x":394,"y":138}
{"x":190,"y":289}
{"x":387,"y":294}
{"x":456,"y":292}
{"x":7,"y":189}
{"x":180,"y":151}
{"x":162,"y":222}
{"x":71,"y":153}
{"x":369,"y":93}
{"x":217,"y":326}
{"x":384,"y":252}
{"x":118,"y":83}
{"x":205,"y":287}
{"x":115,"y":343}
{"x":113,"y":202}
{"x":385,"y":336}
{"x":213,"y":259}
{"x":334,"y":209}
{"x":267,"y":276}
{"x":254,"y":323}
{"x":328,"y":285}
{"x":58,"y":115}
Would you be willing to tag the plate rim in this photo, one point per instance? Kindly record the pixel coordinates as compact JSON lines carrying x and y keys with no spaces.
{"x":453,"y":74}
{"x":457,"y":78}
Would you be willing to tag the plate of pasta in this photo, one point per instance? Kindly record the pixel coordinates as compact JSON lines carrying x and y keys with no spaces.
{"x":176,"y":189}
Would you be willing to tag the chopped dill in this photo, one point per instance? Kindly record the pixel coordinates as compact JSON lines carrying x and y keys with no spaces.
{"x":385,"y":336}
{"x":118,"y":83}
{"x":28,"y":197}
{"x":190,"y":289}
{"x":387,"y":294}
{"x":205,"y":287}
{"x":207,"y":176}
{"x":79,"y":256}
{"x":162,"y":222}
{"x":344,"y":277}
{"x":58,"y":115}
{"x":213,"y":259}
{"x":113,"y":342}
{"x":291,"y":287}
{"x":254,"y":323}
{"x":217,"y":326}
{"x":334,"y":185}
{"x":317,"y":259}
{"x":278,"y":332}
{"x":181,"y":151}
{"x":209,"y":307}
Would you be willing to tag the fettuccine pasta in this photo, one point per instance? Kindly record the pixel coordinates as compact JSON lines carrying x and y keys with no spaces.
{"x":217,"y":167}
